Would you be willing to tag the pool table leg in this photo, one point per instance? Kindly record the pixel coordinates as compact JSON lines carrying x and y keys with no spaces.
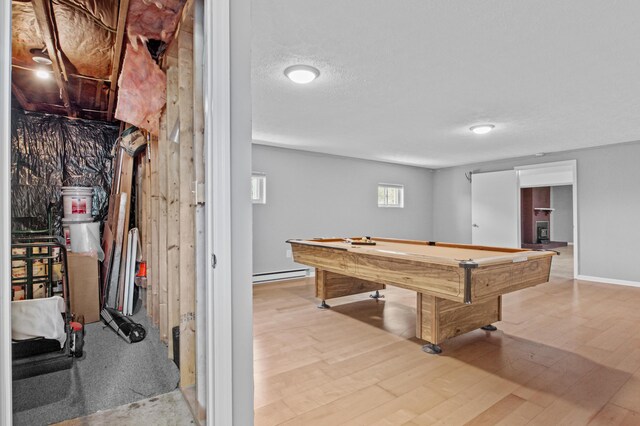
{"x":323,"y":305}
{"x":430,"y":348}
{"x":489,"y":327}
{"x":376,"y":295}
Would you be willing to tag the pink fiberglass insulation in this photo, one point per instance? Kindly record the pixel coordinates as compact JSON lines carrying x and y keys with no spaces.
{"x":153,"y":19}
{"x":142,"y":90}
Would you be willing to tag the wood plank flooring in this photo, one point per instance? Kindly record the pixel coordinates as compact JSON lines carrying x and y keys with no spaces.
{"x":567,"y":352}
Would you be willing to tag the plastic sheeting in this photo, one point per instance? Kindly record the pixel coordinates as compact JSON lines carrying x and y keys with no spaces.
{"x":49,"y":152}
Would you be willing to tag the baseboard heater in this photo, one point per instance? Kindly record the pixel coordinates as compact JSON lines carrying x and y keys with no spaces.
{"x":280,"y":275}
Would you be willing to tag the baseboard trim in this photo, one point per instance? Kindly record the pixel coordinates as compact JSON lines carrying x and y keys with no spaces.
{"x":608,"y":281}
{"x":280,"y":275}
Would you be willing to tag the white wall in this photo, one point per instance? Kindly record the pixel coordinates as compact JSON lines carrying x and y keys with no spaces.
{"x":608,"y":206}
{"x":315,"y":195}
{"x":562,"y":215}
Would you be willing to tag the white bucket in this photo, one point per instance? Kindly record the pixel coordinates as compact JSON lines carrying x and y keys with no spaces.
{"x":66,"y":233}
{"x":77,"y":202}
{"x":85,"y":238}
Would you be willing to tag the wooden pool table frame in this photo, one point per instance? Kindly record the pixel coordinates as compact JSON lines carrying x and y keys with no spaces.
{"x":455,"y":294}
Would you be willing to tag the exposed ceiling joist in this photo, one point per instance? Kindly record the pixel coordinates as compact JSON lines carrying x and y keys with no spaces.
{"x":22,"y":99}
{"x":44,"y":16}
{"x":84,"y":77}
{"x":117,"y":56}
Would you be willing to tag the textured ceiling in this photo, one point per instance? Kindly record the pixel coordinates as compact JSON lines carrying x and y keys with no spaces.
{"x":402,"y":81}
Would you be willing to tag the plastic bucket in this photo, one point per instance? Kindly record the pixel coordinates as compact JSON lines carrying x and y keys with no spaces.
{"x":77,"y":202}
{"x":66,"y":233}
{"x":85,"y":238}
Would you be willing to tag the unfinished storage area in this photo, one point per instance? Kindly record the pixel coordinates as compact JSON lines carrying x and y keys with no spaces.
{"x":106,"y":177}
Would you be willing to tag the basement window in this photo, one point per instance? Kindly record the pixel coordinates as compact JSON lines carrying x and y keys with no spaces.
{"x":390,"y":195}
{"x":259,"y":188}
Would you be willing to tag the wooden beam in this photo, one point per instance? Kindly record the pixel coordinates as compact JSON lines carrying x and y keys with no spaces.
{"x":146,"y":187}
{"x":117,"y":59}
{"x":126,"y":186}
{"x":46,"y":22}
{"x":162,"y":228}
{"x":69,"y":74}
{"x":141,"y":217}
{"x":22,"y":99}
{"x":187,"y":208}
{"x":155,"y":239}
{"x":173,"y":202}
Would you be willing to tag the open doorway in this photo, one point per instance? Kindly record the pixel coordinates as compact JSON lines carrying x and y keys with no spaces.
{"x":59,"y":130}
{"x":548,"y":212}
{"x":225,"y":386}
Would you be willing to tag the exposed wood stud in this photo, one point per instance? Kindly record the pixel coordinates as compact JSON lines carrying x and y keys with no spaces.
{"x":187,"y":208}
{"x":117,"y":56}
{"x":148,"y":228}
{"x":162,"y":229}
{"x":155,"y":238}
{"x":98,"y":96}
{"x":173,"y":202}
{"x":84,"y":77}
{"x":22,"y":99}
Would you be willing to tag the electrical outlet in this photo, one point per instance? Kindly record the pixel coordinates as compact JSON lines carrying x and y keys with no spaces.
{"x":289,"y":254}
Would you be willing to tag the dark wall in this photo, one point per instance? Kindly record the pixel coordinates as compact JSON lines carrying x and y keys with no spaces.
{"x":49,"y":152}
{"x":532,"y":198}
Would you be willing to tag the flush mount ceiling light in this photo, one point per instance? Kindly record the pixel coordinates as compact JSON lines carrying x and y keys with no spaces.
{"x":41,"y":60}
{"x":481,"y":129}
{"x":43,"y":74}
{"x":301,"y":74}
{"x":40,"y":56}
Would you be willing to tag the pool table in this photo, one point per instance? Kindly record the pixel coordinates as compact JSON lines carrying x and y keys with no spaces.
{"x":459,"y":286}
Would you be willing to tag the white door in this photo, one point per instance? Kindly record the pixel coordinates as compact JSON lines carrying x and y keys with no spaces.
{"x":494,"y":209}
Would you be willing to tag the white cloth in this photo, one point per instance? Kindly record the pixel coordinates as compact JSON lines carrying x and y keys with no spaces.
{"x":38,"y":318}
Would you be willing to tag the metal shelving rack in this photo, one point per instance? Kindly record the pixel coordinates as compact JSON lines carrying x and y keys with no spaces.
{"x":37,"y":263}
{"x":49,"y":249}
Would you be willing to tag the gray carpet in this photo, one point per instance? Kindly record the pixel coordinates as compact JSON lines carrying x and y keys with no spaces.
{"x":112,"y":372}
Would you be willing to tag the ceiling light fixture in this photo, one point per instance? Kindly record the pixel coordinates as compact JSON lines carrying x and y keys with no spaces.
{"x":481,"y":129}
{"x":40,"y":56}
{"x":43,"y":74}
{"x":41,"y":60}
{"x":301,"y":74}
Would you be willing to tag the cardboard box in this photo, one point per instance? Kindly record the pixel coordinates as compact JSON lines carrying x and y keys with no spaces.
{"x":84,"y":286}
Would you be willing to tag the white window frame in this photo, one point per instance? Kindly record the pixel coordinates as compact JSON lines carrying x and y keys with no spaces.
{"x":386,"y":187}
{"x":261,"y":178}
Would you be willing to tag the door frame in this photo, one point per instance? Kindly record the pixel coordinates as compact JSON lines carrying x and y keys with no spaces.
{"x":5,"y":213}
{"x":572,"y":166}
{"x":226,"y":387}
{"x":217,"y":141}
{"x":228,"y":210}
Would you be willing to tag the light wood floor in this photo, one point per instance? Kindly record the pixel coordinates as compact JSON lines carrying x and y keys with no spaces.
{"x":567,"y":352}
